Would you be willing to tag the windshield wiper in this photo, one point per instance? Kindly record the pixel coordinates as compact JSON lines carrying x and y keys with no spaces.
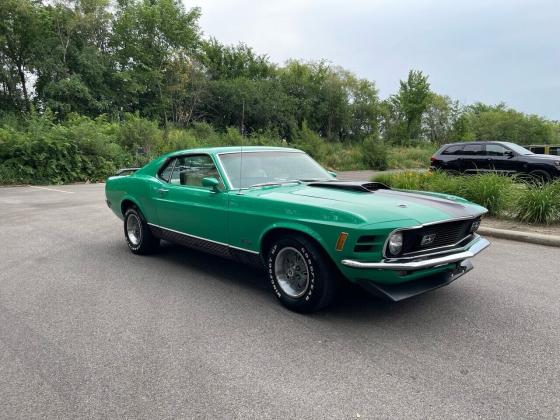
{"x":316,"y":180}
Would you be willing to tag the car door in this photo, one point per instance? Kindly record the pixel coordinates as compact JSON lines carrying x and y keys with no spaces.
{"x":185,"y":206}
{"x":501,"y":159}
{"x":473,"y":158}
{"x":449,"y":159}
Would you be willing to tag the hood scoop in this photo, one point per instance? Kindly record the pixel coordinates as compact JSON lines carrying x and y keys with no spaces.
{"x":351,"y":186}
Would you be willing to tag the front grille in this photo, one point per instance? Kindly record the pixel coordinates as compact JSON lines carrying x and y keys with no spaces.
{"x":445,"y":234}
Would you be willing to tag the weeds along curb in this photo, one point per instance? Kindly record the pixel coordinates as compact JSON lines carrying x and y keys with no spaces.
{"x":530,"y":237}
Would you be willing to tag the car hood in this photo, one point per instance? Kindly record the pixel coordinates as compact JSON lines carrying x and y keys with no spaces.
{"x":382,"y":205}
{"x":544,"y":157}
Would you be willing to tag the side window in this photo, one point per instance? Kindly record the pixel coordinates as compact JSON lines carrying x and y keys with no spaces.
{"x":537,"y":149}
{"x":190,"y":170}
{"x":495,"y":150}
{"x":165,"y":174}
{"x":473,"y":150}
{"x":453,"y":150}
{"x":555,"y":150}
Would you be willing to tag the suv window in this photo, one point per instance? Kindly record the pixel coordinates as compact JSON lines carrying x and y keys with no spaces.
{"x":473,"y":150}
{"x":555,"y":151}
{"x":453,"y":150}
{"x":537,"y":149}
{"x":495,"y":150}
{"x":190,"y":170}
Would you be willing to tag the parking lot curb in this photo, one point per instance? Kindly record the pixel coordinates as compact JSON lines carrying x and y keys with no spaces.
{"x":534,"y":238}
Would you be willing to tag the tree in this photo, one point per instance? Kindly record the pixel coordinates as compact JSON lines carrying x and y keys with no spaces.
{"x":439,"y":121}
{"x":408,"y":106}
{"x":19,"y":33}
{"x":148,"y":37}
{"x":232,"y":62}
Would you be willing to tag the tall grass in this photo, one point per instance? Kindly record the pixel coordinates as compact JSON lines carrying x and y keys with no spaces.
{"x":410,"y":157}
{"x":538,"y":204}
{"x":501,"y":195}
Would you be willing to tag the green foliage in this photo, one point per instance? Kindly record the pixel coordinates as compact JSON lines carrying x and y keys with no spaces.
{"x":404,"y":111}
{"x":375,"y":154}
{"x":138,"y":132}
{"x":538,"y":203}
{"x":483,"y":122}
{"x":411,"y":157}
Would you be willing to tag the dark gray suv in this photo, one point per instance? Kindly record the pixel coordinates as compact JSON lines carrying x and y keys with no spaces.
{"x":495,"y":156}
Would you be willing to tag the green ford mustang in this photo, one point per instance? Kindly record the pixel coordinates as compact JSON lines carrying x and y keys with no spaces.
{"x":278,"y":208}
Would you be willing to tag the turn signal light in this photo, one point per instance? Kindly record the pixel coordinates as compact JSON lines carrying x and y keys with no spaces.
{"x":341,"y":241}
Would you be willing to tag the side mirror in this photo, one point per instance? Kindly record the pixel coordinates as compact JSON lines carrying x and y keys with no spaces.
{"x":211,"y":182}
{"x":332,"y":173}
{"x":509,"y":154}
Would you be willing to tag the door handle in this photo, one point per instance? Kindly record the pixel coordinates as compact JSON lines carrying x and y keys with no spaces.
{"x":162,"y":191}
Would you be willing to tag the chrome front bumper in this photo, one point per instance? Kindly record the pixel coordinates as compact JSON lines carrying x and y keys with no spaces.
{"x":399,"y":265}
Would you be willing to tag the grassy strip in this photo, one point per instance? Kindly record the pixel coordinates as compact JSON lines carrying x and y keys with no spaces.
{"x":501,"y":195}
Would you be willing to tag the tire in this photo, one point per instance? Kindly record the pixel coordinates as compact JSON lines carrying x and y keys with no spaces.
{"x":137,"y":233}
{"x":317,"y":284}
{"x":540,"y":175}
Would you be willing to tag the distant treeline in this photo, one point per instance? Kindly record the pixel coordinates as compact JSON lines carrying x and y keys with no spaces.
{"x":149,"y":58}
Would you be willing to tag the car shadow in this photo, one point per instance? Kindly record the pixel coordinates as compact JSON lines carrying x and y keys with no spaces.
{"x":352,"y":303}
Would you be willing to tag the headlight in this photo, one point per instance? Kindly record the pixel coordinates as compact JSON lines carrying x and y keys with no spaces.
{"x":395,"y":243}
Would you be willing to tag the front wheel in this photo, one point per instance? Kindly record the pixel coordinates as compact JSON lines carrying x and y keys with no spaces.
{"x":138,"y":235}
{"x":540,"y":176}
{"x":301,"y":275}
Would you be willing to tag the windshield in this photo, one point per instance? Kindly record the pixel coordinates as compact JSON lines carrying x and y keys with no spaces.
{"x":519,"y":149}
{"x":271,"y":167}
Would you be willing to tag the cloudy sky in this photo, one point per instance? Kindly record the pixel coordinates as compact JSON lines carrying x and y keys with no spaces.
{"x":489,"y":51}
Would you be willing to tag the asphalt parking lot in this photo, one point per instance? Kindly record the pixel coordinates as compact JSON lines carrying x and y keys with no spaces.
{"x":89,"y":330}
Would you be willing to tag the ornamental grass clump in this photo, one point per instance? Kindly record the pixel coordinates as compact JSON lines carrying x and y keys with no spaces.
{"x":538,"y":203}
{"x":494,"y":191}
{"x":402,"y":180}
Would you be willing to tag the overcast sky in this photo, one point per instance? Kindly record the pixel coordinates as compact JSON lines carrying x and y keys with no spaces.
{"x":489,"y":51}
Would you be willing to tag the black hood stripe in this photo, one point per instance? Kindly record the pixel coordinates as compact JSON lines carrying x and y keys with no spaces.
{"x":453,"y":208}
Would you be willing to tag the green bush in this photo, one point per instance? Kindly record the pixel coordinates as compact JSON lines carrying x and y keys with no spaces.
{"x":539,"y":203}
{"x":138,"y":132}
{"x":493,"y":191}
{"x":413,"y":157}
{"x":375,"y":154}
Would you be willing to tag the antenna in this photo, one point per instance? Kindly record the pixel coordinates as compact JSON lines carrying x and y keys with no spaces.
{"x":241,"y":149}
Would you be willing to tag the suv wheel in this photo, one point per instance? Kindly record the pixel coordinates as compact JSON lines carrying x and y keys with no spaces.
{"x":540,"y":175}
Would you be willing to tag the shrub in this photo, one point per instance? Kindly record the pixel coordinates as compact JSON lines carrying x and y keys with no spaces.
{"x":138,"y":132}
{"x":375,"y":155}
{"x":539,"y":203}
{"x":410,"y":157}
{"x":493,"y":191}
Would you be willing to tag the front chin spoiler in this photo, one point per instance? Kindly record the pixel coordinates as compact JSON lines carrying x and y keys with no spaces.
{"x":398,"y":292}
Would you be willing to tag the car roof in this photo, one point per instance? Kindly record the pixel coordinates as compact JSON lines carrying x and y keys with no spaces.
{"x":464,"y":143}
{"x":232,"y":149}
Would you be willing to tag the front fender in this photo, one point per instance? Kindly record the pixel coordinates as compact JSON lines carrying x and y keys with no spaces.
{"x":299,"y":227}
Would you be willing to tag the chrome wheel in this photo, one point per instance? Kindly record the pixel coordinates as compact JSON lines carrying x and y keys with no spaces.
{"x":133,"y":229}
{"x":291,"y":272}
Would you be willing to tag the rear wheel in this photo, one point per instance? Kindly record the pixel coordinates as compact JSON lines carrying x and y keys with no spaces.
{"x":301,"y":276}
{"x":138,"y":235}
